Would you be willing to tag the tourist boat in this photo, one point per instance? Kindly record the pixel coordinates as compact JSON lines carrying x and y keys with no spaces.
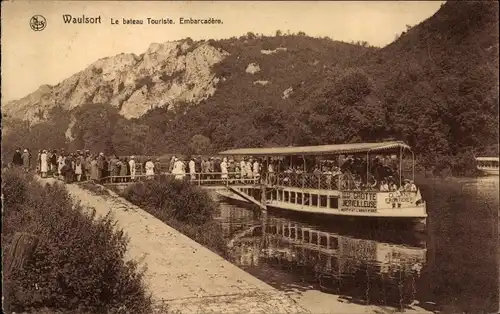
{"x":488,"y":165}
{"x":342,"y":194}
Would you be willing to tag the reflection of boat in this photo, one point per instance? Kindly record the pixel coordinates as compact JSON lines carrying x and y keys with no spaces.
{"x":488,"y":165}
{"x":351,"y":263}
{"x":345,"y":247}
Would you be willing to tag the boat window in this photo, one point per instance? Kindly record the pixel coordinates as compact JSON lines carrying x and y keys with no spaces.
{"x":334,"y":202}
{"x":307,"y":199}
{"x":292,"y":197}
{"x":323,"y":201}
{"x":273,"y":230}
{"x":287,"y":231}
{"x":323,"y":240}
{"x":307,"y":236}
{"x":334,"y":243}
{"x":287,"y":196}
{"x":292,"y":232}
{"x":314,"y":201}
{"x":314,"y":238}
{"x":299,"y":198}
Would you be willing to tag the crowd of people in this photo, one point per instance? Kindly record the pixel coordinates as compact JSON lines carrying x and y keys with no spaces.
{"x":83,"y":165}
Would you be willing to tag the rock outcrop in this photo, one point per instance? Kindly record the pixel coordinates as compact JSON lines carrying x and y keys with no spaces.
{"x":164,"y":75}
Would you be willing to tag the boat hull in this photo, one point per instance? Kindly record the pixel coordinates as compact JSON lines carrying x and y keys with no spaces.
{"x":417,"y":219}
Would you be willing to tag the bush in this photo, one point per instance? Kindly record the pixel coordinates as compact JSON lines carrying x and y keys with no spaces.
{"x":78,"y":265}
{"x":181,"y":205}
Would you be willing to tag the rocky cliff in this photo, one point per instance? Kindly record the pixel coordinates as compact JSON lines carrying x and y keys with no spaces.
{"x":165,"y":74}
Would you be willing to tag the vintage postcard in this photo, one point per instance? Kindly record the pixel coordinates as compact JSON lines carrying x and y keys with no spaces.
{"x":250,"y":157}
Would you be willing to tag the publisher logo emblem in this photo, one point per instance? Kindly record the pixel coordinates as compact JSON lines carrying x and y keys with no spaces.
{"x":38,"y":23}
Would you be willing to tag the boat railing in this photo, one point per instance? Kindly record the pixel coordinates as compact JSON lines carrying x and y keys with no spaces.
{"x":320,"y":181}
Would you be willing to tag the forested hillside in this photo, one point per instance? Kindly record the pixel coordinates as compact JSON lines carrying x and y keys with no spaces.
{"x":435,"y":87}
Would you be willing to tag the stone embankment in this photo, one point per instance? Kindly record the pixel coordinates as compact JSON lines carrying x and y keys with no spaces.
{"x":180,"y":273}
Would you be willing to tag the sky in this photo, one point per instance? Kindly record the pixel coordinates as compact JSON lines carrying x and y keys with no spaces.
{"x":33,"y":58}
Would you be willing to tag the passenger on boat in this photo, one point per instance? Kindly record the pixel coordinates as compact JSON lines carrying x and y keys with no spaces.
{"x":392,"y":185}
{"x":230,"y":169}
{"x":223,"y":167}
{"x":384,"y":187}
{"x":409,"y":186}
{"x":270,"y":171}
{"x":248,"y":169}
{"x":237,"y":171}
{"x":256,"y":169}
{"x":243,"y":167}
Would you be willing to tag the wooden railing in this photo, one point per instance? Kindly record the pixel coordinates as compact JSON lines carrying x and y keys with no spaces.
{"x":343,"y":181}
{"x":210,"y":178}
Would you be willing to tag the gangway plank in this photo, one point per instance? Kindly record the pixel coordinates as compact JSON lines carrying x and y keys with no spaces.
{"x":247,"y":197}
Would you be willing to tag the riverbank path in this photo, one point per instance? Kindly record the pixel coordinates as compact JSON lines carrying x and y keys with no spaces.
{"x":181,"y":274}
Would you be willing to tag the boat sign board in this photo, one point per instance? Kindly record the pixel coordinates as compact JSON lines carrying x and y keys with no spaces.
{"x":358,"y":201}
{"x":398,"y":199}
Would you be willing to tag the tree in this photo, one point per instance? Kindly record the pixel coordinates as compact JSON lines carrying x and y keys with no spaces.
{"x":200,"y":144}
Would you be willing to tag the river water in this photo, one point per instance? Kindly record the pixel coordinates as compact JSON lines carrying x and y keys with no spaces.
{"x":451,"y":268}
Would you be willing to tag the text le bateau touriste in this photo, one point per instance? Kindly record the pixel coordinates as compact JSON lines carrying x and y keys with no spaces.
{"x":83,"y":19}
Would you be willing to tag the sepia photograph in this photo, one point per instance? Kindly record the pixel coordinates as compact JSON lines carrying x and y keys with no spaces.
{"x":238,"y":157}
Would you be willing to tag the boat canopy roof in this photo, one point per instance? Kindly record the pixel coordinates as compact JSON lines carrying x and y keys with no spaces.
{"x":487,"y":158}
{"x":335,"y":149}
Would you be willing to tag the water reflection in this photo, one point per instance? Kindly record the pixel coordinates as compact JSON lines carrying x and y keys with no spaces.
{"x":453,"y":269}
{"x":293,"y":255}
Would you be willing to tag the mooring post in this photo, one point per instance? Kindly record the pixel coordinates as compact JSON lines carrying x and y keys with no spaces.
{"x":22,"y":248}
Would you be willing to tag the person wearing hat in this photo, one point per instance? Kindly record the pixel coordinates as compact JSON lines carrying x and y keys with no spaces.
{"x":211,"y":169}
{"x":26,"y":160}
{"x":44,"y":165}
{"x":178,"y":169}
{"x":171,"y":164}
{"x":94,"y":169}
{"x":248,"y":169}
{"x":53,"y":163}
{"x":205,"y":168}
{"x":392,"y":185}
{"x":243,"y":168}
{"x":150,"y":169}
{"x":124,"y":170}
{"x":223,"y":168}
{"x":60,"y":164}
{"x":158,"y":166}
{"x":384,"y":187}
{"x":131,"y":164}
{"x":192,"y":168}
{"x":87,"y":165}
{"x":17,"y":159}
{"x":100,"y":166}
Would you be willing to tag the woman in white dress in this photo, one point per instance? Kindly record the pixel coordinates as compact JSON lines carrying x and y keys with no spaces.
{"x":178,"y":170}
{"x":44,"y":166}
{"x":223,"y":169}
{"x":150,"y":169}
{"x":131,"y":163}
{"x":78,"y":169}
